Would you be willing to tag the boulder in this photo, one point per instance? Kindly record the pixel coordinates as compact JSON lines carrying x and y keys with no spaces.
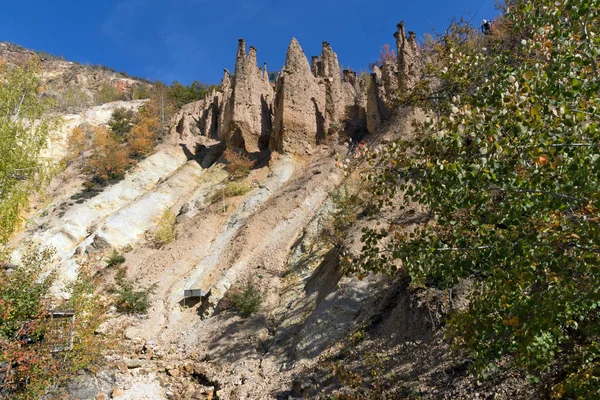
{"x":82,"y":387}
{"x":132,"y":364}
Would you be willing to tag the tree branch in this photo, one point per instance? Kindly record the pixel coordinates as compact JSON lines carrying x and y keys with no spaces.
{"x":464,"y":248}
{"x":16,"y":117}
{"x":590,"y":249}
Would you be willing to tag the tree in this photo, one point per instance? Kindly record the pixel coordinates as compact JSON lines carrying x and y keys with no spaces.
{"x":149,"y":126}
{"x":161,"y":106}
{"x":76,"y":143}
{"x":121,"y":121}
{"x":109,"y":93}
{"x":23,"y":291}
{"x":142,"y":136}
{"x":386,"y":54}
{"x":509,"y":175}
{"x":184,"y":94}
{"x":109,"y":157}
{"x":22,"y":167}
{"x":28,"y":365}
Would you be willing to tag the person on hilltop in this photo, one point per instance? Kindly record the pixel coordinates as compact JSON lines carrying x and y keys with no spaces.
{"x":486,"y":27}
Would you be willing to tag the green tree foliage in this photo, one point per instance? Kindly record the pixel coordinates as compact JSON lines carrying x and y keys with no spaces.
{"x":246,"y":298}
{"x":22,"y":168}
{"x":109,"y":93}
{"x":121,"y":121}
{"x":23,"y":291}
{"x":73,"y":96}
{"x":184,"y":94}
{"x":28,"y":365}
{"x":140,"y":91}
{"x":128,"y":300}
{"x":510,"y":176}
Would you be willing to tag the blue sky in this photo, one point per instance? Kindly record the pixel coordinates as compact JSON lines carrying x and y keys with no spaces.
{"x":189,"y":40}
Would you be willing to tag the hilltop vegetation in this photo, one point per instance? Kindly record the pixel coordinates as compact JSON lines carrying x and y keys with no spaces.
{"x":73,"y":85}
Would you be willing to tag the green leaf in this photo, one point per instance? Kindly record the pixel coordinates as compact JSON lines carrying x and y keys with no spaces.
{"x":528,"y":75}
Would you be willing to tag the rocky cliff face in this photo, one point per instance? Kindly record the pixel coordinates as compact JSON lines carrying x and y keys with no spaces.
{"x":74,"y":85}
{"x":307,"y":103}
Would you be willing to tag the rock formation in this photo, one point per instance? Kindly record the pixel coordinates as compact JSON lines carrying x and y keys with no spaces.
{"x":300,"y":105}
{"x":250,"y":105}
{"x":188,"y":120}
{"x":307,"y":102}
{"x":373,"y":101}
{"x":196,"y":119}
{"x":390,"y":79}
{"x":335,"y":99}
{"x":209,"y":120}
{"x":355,"y":88}
{"x":224,"y":106}
{"x":73,"y":85}
{"x":408,"y":58}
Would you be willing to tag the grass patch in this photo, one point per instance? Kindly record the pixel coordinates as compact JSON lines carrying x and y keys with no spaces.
{"x":237,"y":188}
{"x":165,"y":229}
{"x":114,"y":259}
{"x":246,"y":298}
{"x":128,"y":299}
{"x":231,"y":189}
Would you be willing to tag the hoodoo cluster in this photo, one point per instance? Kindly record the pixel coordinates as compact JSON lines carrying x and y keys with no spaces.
{"x":305,"y":103}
